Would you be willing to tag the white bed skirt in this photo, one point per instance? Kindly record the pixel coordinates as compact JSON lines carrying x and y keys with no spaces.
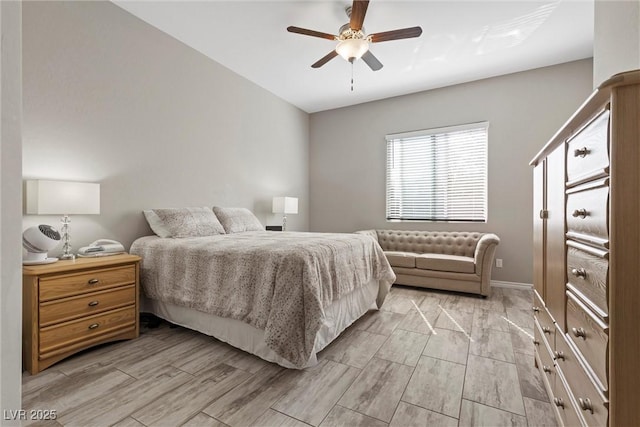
{"x":338,"y":316}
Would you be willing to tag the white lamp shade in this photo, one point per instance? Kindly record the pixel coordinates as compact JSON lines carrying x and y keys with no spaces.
{"x":285,"y":205}
{"x":352,"y":48}
{"x":62,"y":197}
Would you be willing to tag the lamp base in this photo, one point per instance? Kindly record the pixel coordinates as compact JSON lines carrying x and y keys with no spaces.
{"x":66,"y":248}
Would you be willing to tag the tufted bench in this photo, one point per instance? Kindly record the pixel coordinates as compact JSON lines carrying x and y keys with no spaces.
{"x":456,"y":261}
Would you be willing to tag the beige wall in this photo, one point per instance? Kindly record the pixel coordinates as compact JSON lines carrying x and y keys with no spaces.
{"x":11,"y":215}
{"x":616,"y":42}
{"x":111,"y":99}
{"x":347,"y":152}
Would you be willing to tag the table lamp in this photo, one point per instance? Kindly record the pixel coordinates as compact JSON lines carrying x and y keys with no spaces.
{"x":285,"y":205}
{"x":63,"y":198}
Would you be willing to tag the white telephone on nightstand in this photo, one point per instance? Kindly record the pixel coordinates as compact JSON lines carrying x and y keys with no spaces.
{"x":102,"y":247}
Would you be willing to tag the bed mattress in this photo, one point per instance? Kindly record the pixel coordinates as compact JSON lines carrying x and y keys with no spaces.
{"x":280,"y":283}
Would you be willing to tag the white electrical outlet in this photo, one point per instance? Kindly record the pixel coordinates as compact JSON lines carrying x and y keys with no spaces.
{"x":499,"y":262}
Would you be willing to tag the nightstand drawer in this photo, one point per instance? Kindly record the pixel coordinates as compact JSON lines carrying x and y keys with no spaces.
{"x":61,"y":286}
{"x":65,"y":309}
{"x":65,"y":335}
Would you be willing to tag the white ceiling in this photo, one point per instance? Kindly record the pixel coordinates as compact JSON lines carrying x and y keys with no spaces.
{"x":461,"y":41}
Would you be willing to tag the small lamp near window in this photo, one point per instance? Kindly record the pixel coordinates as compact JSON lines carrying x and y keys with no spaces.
{"x":285,"y":205}
{"x":63,"y":198}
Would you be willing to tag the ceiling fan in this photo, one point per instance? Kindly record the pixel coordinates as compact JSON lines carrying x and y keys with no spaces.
{"x":353,"y":42}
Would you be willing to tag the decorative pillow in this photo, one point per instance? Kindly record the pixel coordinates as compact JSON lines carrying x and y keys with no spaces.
{"x":187,"y":222}
{"x":156,"y":223}
{"x":236,"y":220}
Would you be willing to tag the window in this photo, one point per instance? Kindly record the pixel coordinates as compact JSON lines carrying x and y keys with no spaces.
{"x":438,"y":174}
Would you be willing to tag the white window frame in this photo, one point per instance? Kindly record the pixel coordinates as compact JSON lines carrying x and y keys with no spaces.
{"x":429,"y":146}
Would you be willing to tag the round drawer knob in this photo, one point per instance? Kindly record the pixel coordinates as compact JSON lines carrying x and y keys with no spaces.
{"x":582,"y":213}
{"x":585,"y":404}
{"x":546,"y":330}
{"x":579,"y":333}
{"x":93,"y":303}
{"x":536,"y":342}
{"x":579,"y":272}
{"x":580,"y":152}
{"x":93,"y":325}
{"x":559,"y":355}
{"x":546,"y":369}
{"x":558,"y":402}
{"x":536,"y":309}
{"x":92,"y":281}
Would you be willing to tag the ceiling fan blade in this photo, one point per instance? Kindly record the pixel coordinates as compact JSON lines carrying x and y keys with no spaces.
{"x":405,"y":33}
{"x":311,"y":33}
{"x":370,"y":59}
{"x":358,"y":11}
{"x":328,"y":57}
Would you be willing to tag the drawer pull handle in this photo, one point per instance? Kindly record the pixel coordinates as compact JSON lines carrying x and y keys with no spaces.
{"x":581,"y":152}
{"x":559,"y":355}
{"x":536,"y":309}
{"x":93,"y":281}
{"x":579,"y":272}
{"x":558,"y":402}
{"x":546,"y":369}
{"x":546,"y":330}
{"x":579,"y":333}
{"x":582,"y":213}
{"x":585,"y":404}
{"x":536,"y":342}
{"x":93,"y":303}
{"x":94,"y":325}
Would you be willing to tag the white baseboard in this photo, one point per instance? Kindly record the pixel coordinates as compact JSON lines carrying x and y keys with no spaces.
{"x":512,"y":285}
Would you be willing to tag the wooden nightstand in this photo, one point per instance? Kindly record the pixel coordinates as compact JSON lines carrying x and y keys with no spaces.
{"x":72,"y":305}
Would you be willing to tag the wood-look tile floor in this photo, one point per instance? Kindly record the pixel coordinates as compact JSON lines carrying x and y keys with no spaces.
{"x":427,"y":358}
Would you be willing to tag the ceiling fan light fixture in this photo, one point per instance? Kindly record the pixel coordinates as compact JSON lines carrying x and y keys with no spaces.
{"x":351,"y":49}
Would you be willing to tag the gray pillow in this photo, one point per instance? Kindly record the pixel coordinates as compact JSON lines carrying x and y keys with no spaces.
{"x":237,"y":220}
{"x":184,"y":222}
{"x":156,"y":223}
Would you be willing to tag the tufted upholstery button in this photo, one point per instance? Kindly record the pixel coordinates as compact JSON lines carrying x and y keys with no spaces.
{"x":448,"y":243}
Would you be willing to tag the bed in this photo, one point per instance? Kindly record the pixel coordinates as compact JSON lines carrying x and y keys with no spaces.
{"x":282,"y":296}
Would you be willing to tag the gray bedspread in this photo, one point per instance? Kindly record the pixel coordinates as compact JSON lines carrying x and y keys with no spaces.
{"x":279,"y":282}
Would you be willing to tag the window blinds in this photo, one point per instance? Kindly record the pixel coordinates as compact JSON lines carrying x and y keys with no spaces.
{"x":438,"y":174}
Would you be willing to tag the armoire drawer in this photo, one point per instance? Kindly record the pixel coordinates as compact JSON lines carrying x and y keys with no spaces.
{"x":588,"y":151}
{"x":544,"y":319}
{"x":588,"y":274}
{"x":591,"y":403}
{"x":588,"y":212}
{"x":564,"y":403}
{"x":590,"y":336}
{"x":545,"y":352}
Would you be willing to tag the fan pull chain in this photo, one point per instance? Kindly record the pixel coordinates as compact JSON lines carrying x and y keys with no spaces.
{"x":352,"y":61}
